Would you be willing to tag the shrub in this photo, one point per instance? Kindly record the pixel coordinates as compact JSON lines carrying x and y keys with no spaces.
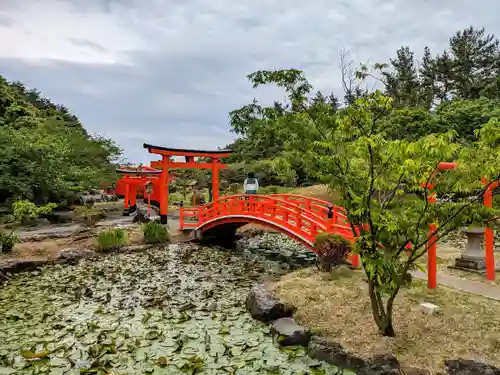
{"x":111,"y":239}
{"x":155,"y":232}
{"x":331,"y":250}
{"x":24,"y":210}
{"x":88,"y":216}
{"x":7,"y":242}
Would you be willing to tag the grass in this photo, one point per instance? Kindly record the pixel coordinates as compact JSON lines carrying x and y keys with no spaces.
{"x":317,"y":191}
{"x":111,"y":239}
{"x":155,"y":233}
{"x":338,"y":307}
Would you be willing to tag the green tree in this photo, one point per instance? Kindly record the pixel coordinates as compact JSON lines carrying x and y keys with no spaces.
{"x":46,"y":153}
{"x":380,"y":178}
{"x":402,"y":84}
{"x":380,"y":183}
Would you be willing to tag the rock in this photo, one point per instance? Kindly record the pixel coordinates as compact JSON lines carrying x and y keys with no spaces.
{"x":469,"y":367}
{"x":385,"y":364}
{"x":73,"y":255}
{"x":428,"y":308}
{"x":290,"y":332}
{"x":141,"y":216}
{"x":59,"y":217}
{"x":20,"y":265}
{"x":334,"y":353}
{"x":264,"y":306}
{"x":37,"y":222}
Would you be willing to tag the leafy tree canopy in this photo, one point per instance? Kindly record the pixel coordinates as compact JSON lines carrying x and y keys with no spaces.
{"x":46,"y":154}
{"x":457,"y":89}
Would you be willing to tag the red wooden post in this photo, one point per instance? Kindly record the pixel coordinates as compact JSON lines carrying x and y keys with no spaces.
{"x":431,"y":258}
{"x":127,"y":197}
{"x":133,"y":195}
{"x":432,"y":237}
{"x":164,"y":190}
{"x":431,"y":246}
{"x":181,"y":216}
{"x":215,"y":179}
{"x":488,"y":233}
{"x":298,"y":220}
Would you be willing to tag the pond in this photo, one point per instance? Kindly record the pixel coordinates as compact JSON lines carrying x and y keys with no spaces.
{"x":177,"y":310}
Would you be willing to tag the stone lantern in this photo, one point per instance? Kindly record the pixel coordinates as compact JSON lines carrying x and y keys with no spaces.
{"x":473,"y":257}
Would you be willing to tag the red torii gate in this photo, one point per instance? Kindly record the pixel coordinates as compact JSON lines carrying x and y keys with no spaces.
{"x":133,"y":179}
{"x":167,"y":163}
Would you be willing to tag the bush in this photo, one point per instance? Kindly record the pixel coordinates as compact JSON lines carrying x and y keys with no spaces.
{"x":7,"y":242}
{"x":111,"y":239}
{"x":24,"y":210}
{"x":155,"y":233}
{"x":331,"y":250}
{"x":88,"y":216}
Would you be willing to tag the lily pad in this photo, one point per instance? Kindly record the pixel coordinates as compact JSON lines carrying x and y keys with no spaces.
{"x":142,"y":313}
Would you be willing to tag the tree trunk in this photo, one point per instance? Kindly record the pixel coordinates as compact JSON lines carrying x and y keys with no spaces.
{"x":382,"y":313}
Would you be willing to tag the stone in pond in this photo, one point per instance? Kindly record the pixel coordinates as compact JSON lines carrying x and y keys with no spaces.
{"x":469,"y":367}
{"x":290,"y":332}
{"x":73,"y":255}
{"x":385,"y":364}
{"x":264,"y":306}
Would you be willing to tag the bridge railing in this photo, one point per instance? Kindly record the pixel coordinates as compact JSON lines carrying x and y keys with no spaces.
{"x":316,"y":205}
{"x":289,"y":213}
{"x":299,"y":221}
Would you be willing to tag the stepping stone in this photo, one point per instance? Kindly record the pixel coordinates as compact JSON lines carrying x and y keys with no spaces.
{"x":290,"y":332}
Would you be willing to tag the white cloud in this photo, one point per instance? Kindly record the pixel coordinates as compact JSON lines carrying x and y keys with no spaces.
{"x":173,"y":69}
{"x":55,"y":30}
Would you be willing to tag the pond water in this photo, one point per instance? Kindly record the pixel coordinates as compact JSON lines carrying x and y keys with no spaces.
{"x":178,"y":310}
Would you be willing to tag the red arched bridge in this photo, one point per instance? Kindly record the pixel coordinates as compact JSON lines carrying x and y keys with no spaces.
{"x":296,"y":216}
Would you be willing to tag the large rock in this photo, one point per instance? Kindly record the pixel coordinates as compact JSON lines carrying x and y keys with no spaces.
{"x":469,"y":367}
{"x":385,"y":364}
{"x":334,"y":353}
{"x":73,"y":255}
{"x":290,"y":332}
{"x":20,"y":265}
{"x":264,"y":306}
{"x":141,"y":216}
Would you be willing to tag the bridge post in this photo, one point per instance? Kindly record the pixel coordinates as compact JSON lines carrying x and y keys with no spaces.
{"x":330,"y":216}
{"x":181,"y":216}
{"x":298,"y":220}
{"x":126,"y":200}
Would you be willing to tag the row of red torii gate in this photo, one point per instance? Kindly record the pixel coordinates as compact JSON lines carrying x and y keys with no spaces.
{"x":296,"y":216}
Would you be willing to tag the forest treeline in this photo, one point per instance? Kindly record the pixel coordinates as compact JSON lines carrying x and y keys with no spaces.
{"x":455,"y":89}
{"x":46,"y":155}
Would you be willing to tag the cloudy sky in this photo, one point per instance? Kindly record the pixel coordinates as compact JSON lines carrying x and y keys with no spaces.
{"x":168,"y":72}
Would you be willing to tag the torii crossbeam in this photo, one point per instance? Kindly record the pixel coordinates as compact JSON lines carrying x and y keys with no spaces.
{"x":167,"y":163}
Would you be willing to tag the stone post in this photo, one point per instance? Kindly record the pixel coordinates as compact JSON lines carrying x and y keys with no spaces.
{"x":473,"y":257}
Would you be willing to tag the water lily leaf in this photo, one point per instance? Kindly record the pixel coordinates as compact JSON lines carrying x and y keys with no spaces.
{"x":28,"y":354}
{"x":162,"y":361}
